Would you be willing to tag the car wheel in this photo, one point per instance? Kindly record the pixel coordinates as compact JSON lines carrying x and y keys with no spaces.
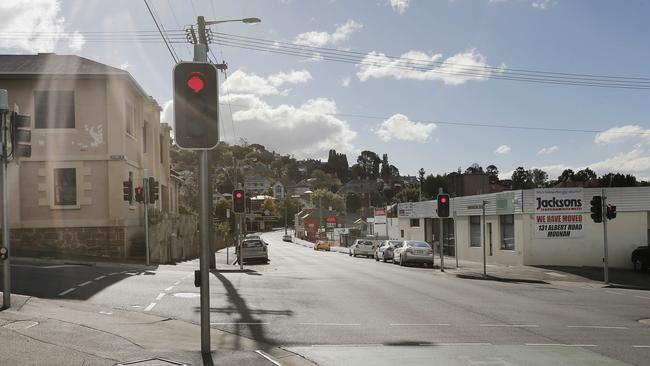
{"x":350,"y":253}
{"x":636,"y":264}
{"x":376,"y":258}
{"x":384,"y":259}
{"x":401,"y":261}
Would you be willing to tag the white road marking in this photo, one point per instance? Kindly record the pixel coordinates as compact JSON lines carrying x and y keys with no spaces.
{"x":335,"y":324}
{"x":67,"y":291}
{"x":643,"y":297}
{"x":555,"y":274}
{"x":177,"y":283}
{"x":169,"y":288}
{"x":114,"y":273}
{"x":459,"y":344}
{"x":349,"y":345}
{"x":100,"y":278}
{"x":640,"y":346}
{"x":239,"y":323}
{"x":85,"y":283}
{"x":595,"y":327}
{"x":422,"y":325}
{"x":148,"y":308}
{"x":268,"y":358}
{"x":511,"y":325}
{"x":160,"y":296}
{"x":561,"y":345}
{"x":105,"y":313}
{"x":614,"y":292}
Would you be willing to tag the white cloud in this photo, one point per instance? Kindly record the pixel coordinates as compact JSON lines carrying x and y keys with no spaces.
{"x":399,"y":127}
{"x":345,"y":82}
{"x":399,"y":5}
{"x":502,"y":150}
{"x":38,"y":24}
{"x":308,"y":130}
{"x":417,"y":65}
{"x":319,"y":39}
{"x":167,"y":114}
{"x":125,"y":65}
{"x":622,"y":134}
{"x":242,"y":82}
{"x":548,"y":150}
{"x":542,"y":4}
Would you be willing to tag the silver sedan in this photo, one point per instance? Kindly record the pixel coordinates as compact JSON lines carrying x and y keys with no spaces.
{"x":385,"y":250}
{"x":413,"y":251}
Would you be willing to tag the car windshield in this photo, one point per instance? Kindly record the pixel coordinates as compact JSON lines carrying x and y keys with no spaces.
{"x":325,"y":182}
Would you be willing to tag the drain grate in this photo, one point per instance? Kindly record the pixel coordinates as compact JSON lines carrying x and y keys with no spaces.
{"x":152,"y":362}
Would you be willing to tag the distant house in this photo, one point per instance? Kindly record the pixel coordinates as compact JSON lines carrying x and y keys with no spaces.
{"x":308,"y":221}
{"x":468,"y":184}
{"x":278,"y":190}
{"x":257,"y":184}
{"x":359,"y":186}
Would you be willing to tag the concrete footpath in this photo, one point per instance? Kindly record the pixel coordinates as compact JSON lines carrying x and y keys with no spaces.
{"x":36,"y":331}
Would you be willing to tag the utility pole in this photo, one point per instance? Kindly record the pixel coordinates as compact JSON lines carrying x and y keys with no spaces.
{"x":442,"y":254}
{"x":604,"y":215}
{"x":320,"y":214}
{"x":286,"y":219}
{"x":484,"y":244}
{"x":6,"y":267}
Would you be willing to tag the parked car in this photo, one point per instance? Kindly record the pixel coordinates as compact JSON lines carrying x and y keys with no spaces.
{"x":413,"y":251}
{"x":362,"y":247}
{"x":254,"y":249}
{"x":287,"y":238}
{"x":385,"y":250}
{"x":255,"y":236}
{"x":641,"y":258}
{"x":322,"y":245}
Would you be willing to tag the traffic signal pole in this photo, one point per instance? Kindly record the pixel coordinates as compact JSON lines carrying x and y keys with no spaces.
{"x":442,"y":254}
{"x":6,"y":266}
{"x":145,"y":187}
{"x":606,"y":258}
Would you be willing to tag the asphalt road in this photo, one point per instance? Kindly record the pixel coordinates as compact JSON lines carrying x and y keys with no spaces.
{"x":338,"y":310}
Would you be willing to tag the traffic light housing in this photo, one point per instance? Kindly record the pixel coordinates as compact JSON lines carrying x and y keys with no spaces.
{"x":127,"y":189}
{"x":4,"y":253}
{"x":21,"y":135}
{"x":139,"y":194}
{"x":597,"y":209}
{"x":611,"y":212}
{"x":154,"y":189}
{"x":443,"y":205}
{"x":238,"y":201}
{"x":196,"y":105}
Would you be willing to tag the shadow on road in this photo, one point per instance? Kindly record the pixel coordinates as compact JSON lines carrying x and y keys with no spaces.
{"x":617,"y":277}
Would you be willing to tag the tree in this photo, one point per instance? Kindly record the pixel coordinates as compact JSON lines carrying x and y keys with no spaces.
{"x":473,"y":169}
{"x":431,"y":185}
{"x":408,"y":195}
{"x":270,"y":206}
{"x":352,"y":202}
{"x":566,"y":176}
{"x":369,"y":163}
{"x":289,"y":206}
{"x":493,"y":173}
{"x":385,"y":167}
{"x":539,"y":177}
{"x":522,"y":178}
{"x":324,"y":199}
{"x":584,"y":175}
{"x":618,"y":180}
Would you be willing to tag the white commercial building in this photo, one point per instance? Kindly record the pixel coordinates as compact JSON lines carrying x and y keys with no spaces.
{"x":550,"y":226}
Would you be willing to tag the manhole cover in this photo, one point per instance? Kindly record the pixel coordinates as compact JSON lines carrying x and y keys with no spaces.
{"x":187,"y":295}
{"x":20,"y":325}
{"x":152,"y":362}
{"x":644,"y":321}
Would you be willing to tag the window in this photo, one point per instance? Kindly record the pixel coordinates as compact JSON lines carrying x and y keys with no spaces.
{"x":129,"y":117}
{"x":401,"y":233}
{"x":145,"y":127}
{"x":475,"y":231}
{"x":162,"y":140}
{"x":415,"y":222}
{"x":54,"y":109}
{"x":507,"y":232}
{"x":65,"y":187}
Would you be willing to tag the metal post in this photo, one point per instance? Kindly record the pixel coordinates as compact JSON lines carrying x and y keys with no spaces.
{"x":603,"y":210}
{"x":455,"y":236}
{"x":6,"y":292}
{"x":242,"y":217}
{"x":484,"y":244}
{"x":145,"y":190}
{"x":320,"y":216}
{"x":286,"y":219}
{"x":442,"y":247}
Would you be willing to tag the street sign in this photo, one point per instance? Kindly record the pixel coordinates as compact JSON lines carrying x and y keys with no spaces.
{"x":196,"y":105}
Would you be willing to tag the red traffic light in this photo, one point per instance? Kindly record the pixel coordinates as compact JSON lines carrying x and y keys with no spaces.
{"x":443,"y":199}
{"x":238,"y":195}
{"x":195,"y":82}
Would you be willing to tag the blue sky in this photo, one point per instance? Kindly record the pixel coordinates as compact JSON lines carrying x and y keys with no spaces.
{"x":297,"y":106}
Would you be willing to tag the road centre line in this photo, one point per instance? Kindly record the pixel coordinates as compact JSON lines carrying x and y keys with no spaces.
{"x":242,"y":323}
{"x":160,"y":296}
{"x":169,"y":288}
{"x":114,"y":273}
{"x":561,"y":345}
{"x":148,"y":308}
{"x":177,"y":283}
{"x":263,"y":354}
{"x":422,"y":325}
{"x":511,"y":325}
{"x":457,"y":344}
{"x":67,"y":291}
{"x":85,"y":283}
{"x":100,"y":278}
{"x":334,"y":324}
{"x":596,"y":327}
{"x":350,"y":345}
{"x":640,"y":346}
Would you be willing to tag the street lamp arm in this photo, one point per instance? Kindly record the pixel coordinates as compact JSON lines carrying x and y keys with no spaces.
{"x":245,"y":20}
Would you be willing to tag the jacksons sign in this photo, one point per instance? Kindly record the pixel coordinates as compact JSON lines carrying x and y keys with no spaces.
{"x":558,"y":213}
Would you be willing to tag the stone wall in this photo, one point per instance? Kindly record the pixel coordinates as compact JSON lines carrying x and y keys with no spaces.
{"x":69,"y":242}
{"x":173,"y":238}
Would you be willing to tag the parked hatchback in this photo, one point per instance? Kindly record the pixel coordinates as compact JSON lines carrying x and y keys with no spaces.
{"x":254,"y":249}
{"x":385,"y":250}
{"x":641,"y":258}
{"x":287,"y":238}
{"x":322,"y":245}
{"x":413,"y":251}
{"x":362,"y":247}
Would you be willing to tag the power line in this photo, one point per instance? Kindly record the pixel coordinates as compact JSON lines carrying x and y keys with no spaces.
{"x":161,"y":33}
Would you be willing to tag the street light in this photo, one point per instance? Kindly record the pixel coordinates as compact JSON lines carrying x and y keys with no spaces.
{"x":245,"y":20}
